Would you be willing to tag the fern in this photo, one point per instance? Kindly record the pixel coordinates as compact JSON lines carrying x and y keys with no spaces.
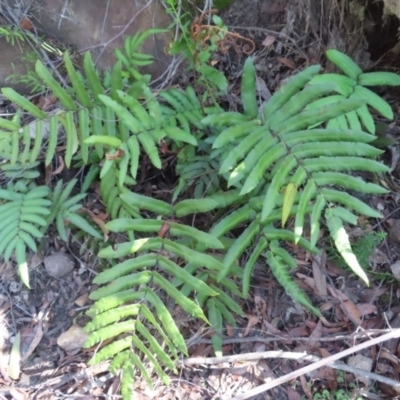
{"x":291,"y":158}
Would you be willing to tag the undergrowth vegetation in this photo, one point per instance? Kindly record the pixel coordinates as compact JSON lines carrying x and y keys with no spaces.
{"x":276,"y":172}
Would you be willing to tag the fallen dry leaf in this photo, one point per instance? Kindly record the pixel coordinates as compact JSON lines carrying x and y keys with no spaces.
{"x":60,"y":167}
{"x":319,"y":274}
{"x":361,"y":362}
{"x":26,"y":24}
{"x":366,"y":308}
{"x":252,"y":320}
{"x":32,"y":341}
{"x":306,"y":387}
{"x":287,"y":62}
{"x":348,"y":307}
{"x":269,"y":39}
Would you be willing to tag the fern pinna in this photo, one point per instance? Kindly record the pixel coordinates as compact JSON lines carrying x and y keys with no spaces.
{"x":290,"y":159}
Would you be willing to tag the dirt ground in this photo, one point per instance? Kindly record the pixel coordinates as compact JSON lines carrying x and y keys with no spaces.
{"x":289,"y":35}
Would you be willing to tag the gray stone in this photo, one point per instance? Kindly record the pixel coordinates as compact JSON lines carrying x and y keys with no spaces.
{"x":59,"y":264}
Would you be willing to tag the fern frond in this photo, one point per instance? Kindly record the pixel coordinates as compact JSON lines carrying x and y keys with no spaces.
{"x":22,"y":217}
{"x":280,"y":272}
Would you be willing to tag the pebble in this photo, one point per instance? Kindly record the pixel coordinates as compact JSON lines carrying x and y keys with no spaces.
{"x":59,"y":265}
{"x":73,"y":339}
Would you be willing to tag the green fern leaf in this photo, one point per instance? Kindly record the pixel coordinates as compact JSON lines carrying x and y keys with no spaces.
{"x":108,"y":332}
{"x":139,"y":344}
{"x":215,"y":317}
{"x":342,"y":243}
{"x":128,"y":376}
{"x":167,"y":322}
{"x":248,"y":269}
{"x":146,"y":313}
{"x":239,"y":246}
{"x":146,"y":203}
{"x":109,"y":302}
{"x":350,"y":201}
{"x":155,"y":347}
{"x":59,"y":92}
{"x":139,"y":278}
{"x":110,"y":316}
{"x":188,"y":305}
{"x":110,"y":350}
{"x":281,"y":274}
{"x":92,"y":77}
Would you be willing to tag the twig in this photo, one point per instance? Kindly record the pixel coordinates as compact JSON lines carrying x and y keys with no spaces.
{"x":287,"y":355}
{"x":261,"y":339}
{"x":321,"y":363}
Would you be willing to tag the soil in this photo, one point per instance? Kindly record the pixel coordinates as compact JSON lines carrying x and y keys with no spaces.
{"x":288,"y":35}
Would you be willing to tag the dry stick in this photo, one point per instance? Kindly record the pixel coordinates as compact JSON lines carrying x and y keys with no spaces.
{"x":287,"y":355}
{"x":262,"y":339}
{"x":104,"y":45}
{"x":324,"y":362}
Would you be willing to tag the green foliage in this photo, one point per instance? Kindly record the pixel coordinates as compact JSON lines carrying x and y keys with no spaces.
{"x":12,"y":35}
{"x":252,"y":172}
{"x":363,"y":249}
{"x":352,"y":86}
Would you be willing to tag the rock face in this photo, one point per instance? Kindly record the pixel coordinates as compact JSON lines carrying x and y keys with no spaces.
{"x":91,"y":24}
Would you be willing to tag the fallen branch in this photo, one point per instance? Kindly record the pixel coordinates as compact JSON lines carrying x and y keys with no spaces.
{"x":218,"y":361}
{"x":321,"y":363}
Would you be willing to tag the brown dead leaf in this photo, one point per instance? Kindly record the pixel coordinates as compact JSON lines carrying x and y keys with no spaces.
{"x":292,"y":394}
{"x":261,"y":306}
{"x":369,"y":295}
{"x":269,"y":39}
{"x":252,"y":320}
{"x":389,"y":356}
{"x":262,"y":88}
{"x":26,"y":24}
{"x":31,"y":342}
{"x":18,"y":394}
{"x":48,"y":103}
{"x":308,"y":280}
{"x":319,"y":274}
{"x":305,"y":387}
{"x":60,"y":168}
{"x":287,"y":62}
{"x":164,"y":230}
{"x":299,"y":331}
{"x":99,"y":221}
{"x":366,"y":308}
{"x":203,"y":350}
{"x":348,"y":306}
{"x":230,"y":331}
{"x":328,"y":305}
{"x":315,"y":335}
{"x":118,"y":154}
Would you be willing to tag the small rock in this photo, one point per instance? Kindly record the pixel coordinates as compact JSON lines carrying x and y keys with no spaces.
{"x":59,"y":264}
{"x":73,"y":339}
{"x":396,"y":270}
{"x":82,"y":300}
{"x":361,"y":362}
